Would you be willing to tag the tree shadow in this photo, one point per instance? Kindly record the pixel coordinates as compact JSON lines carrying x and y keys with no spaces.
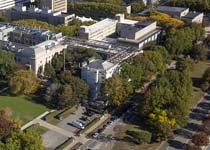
{"x":193,"y":127}
{"x":207,"y":97}
{"x":200,"y":111}
{"x":204,"y":105}
{"x":176,"y":144}
{"x":196,"y":82}
{"x":183,"y":133}
{"x":197,"y":116}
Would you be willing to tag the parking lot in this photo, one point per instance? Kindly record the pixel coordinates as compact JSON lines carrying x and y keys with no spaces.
{"x":52,"y":139}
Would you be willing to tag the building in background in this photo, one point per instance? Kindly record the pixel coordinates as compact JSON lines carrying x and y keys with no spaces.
{"x":6,"y":4}
{"x":33,"y":47}
{"x":54,"y":5}
{"x":46,"y":15}
{"x":99,"y":30}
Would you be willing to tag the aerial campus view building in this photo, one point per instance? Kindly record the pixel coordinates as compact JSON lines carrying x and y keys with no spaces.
{"x":33,"y":47}
{"x":5,"y":4}
{"x":127,"y":33}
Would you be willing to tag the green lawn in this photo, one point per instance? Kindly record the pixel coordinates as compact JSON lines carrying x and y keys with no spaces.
{"x":21,"y":108}
{"x":37,"y":129}
{"x":198,"y":69}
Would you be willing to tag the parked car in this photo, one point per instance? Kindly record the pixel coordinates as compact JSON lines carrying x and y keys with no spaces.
{"x":77,"y":124}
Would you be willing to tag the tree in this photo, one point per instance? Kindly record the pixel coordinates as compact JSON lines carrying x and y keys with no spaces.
{"x":64,"y":98}
{"x":193,"y":147}
{"x":23,"y":141}
{"x":151,"y":62}
{"x":206,"y":79}
{"x":116,"y":90}
{"x":137,"y":7}
{"x":200,"y":139}
{"x":198,"y":52}
{"x":132,"y":73}
{"x":7,"y":64}
{"x":7,"y":126}
{"x":79,"y":87}
{"x":49,"y":71}
{"x":161,"y":125}
{"x":164,"y":52}
{"x":24,"y":82}
{"x":206,"y":126}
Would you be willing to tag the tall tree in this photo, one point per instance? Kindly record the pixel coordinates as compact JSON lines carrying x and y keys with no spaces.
{"x":116,"y":90}
{"x":24,"y":82}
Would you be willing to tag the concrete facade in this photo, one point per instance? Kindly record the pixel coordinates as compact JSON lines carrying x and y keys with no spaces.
{"x":95,"y":72}
{"x":54,"y":18}
{"x":32,"y":47}
{"x":54,"y":5}
{"x":99,"y":30}
{"x":6,"y":4}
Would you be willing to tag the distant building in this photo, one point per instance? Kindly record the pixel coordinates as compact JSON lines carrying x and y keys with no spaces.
{"x":55,"y":18}
{"x":54,"y":5}
{"x":146,"y":2}
{"x":99,"y":30}
{"x":182,"y":13}
{"x":173,"y":11}
{"x":6,"y":4}
{"x":137,"y":33}
{"x":134,"y":33}
{"x":195,"y":17}
{"x":95,"y":73}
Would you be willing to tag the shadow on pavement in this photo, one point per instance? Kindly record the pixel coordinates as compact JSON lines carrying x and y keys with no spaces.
{"x":183,"y":133}
{"x":197,"y":116}
{"x":193,"y":127}
{"x":176,"y":144}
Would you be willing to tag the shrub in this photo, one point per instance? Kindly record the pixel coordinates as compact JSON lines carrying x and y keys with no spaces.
{"x":140,"y":136}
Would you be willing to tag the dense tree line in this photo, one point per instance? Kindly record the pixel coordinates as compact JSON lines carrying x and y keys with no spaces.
{"x":162,"y":19}
{"x":70,"y":30}
{"x":194,"y":5}
{"x":168,"y":97}
{"x":95,"y":10}
{"x":181,"y":41}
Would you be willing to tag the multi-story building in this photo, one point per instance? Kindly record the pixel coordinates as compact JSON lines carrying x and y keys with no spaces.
{"x":134,"y":33}
{"x":182,"y":13}
{"x":95,"y":72}
{"x":33,"y":47}
{"x":34,"y":57}
{"x":6,"y":4}
{"x":137,"y":33}
{"x":32,"y":36}
{"x":55,"y":18}
{"x":54,"y":5}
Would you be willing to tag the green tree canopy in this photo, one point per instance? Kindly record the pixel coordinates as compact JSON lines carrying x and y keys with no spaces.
{"x":24,"y":82}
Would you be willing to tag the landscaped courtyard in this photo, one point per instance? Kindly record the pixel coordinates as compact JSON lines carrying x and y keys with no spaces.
{"x":22,"y":108}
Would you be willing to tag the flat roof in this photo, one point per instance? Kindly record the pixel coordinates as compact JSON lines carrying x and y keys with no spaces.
{"x":128,"y":21}
{"x":170,"y":9}
{"x":192,"y":15}
{"x":100,"y":25}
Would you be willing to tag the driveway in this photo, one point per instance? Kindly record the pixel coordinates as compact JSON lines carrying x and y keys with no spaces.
{"x":52,"y":139}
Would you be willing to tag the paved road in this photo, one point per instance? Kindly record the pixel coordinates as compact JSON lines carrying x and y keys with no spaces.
{"x":182,"y":136}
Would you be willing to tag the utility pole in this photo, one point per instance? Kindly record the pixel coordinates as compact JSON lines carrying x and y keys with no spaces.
{"x":64,"y":61}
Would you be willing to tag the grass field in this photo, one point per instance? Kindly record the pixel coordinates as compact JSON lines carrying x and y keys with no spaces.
{"x":199,"y":68}
{"x":37,"y":129}
{"x":21,"y":108}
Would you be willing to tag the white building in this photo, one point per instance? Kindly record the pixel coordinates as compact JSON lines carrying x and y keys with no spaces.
{"x":95,"y":73}
{"x":99,"y":30}
{"x":34,"y":57}
{"x":6,"y":4}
